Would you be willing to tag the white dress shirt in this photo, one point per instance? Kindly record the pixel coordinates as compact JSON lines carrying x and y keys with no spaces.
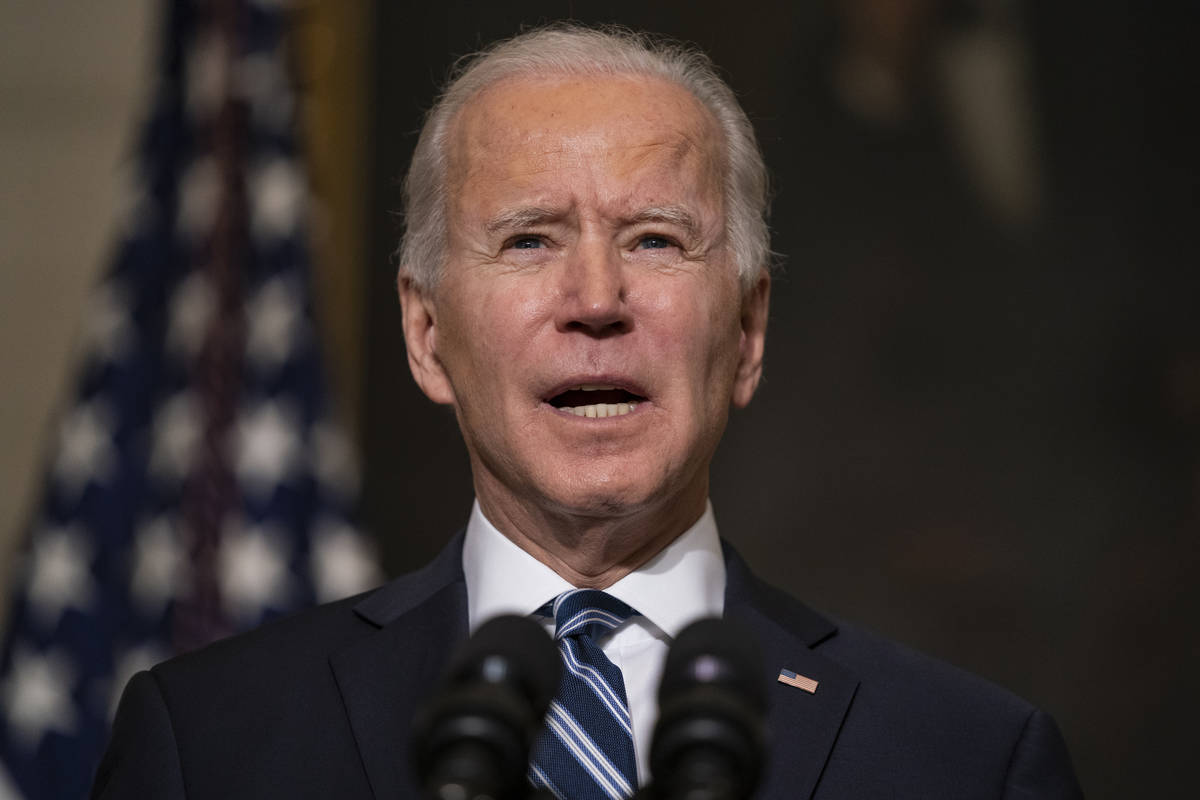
{"x":684,"y":582}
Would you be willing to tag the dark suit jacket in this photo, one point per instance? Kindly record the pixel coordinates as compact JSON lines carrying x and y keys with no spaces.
{"x":319,"y":705}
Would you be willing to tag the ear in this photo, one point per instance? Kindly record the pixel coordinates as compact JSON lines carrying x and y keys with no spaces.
{"x":420,"y":338}
{"x":755,"y":304}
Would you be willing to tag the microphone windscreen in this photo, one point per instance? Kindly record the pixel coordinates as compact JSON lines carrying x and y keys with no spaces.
{"x":472,"y":737}
{"x":511,"y":650}
{"x":717,"y":653}
{"x":709,"y":741}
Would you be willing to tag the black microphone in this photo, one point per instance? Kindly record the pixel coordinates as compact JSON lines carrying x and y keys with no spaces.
{"x":709,"y":740}
{"x":472,"y":740}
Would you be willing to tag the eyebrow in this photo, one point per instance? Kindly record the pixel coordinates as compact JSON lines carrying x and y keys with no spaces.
{"x":673,"y":215}
{"x":519,"y":218}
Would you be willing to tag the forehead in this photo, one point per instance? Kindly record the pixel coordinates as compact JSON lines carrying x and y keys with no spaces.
{"x":521,"y":129}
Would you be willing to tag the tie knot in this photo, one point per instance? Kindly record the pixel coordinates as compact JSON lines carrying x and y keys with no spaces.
{"x":587,"y":612}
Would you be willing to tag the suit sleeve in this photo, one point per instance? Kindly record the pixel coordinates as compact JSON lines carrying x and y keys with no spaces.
{"x":142,"y":760}
{"x":1040,"y":768}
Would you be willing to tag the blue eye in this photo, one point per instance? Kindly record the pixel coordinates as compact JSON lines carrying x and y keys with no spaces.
{"x":654,"y":243}
{"x":526,"y":243}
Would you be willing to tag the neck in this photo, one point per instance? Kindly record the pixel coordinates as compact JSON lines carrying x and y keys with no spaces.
{"x":591,"y":550}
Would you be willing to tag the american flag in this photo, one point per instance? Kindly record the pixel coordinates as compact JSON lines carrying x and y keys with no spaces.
{"x":798,"y":681}
{"x":197,"y":486}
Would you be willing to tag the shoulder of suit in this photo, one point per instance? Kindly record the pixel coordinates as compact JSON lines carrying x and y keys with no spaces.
{"x":307,"y":635}
{"x":889,"y":670}
{"x":315,"y":634}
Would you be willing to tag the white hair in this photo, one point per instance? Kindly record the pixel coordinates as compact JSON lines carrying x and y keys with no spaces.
{"x":574,"y":50}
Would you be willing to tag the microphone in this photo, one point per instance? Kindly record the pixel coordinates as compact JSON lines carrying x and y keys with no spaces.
{"x":472,"y":740}
{"x":709,"y":740}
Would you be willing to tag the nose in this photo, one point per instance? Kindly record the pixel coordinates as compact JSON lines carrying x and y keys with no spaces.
{"x":593,"y":292}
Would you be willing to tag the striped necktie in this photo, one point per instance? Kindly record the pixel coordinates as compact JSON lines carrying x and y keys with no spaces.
{"x":585,"y":750}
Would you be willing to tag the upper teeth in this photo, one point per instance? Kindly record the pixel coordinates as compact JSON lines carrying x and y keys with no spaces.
{"x":592,"y":387}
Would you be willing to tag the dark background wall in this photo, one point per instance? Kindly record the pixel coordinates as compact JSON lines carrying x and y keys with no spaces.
{"x":978,"y":430}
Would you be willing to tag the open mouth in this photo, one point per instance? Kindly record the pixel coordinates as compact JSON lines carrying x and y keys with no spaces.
{"x":596,"y":400}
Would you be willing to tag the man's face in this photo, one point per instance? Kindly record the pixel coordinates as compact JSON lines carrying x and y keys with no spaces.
{"x":589,"y":327}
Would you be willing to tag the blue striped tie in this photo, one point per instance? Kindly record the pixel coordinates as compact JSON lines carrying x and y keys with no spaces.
{"x":586,"y":749}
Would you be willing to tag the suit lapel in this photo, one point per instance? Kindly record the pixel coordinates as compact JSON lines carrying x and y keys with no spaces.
{"x":384,"y":677}
{"x":801,"y":727}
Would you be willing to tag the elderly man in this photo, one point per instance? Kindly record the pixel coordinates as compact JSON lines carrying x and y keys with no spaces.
{"x":584,"y":280}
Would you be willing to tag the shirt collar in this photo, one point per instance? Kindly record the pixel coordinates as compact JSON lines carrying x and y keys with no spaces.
{"x":684,"y":582}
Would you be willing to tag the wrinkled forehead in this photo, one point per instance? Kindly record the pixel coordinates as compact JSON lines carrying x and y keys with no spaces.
{"x":521,"y":125}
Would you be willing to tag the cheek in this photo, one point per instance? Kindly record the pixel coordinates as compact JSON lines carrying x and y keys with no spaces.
{"x":699,"y":326}
{"x":486,"y":327}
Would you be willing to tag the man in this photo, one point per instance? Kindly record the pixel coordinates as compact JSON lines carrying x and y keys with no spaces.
{"x":584,"y":280}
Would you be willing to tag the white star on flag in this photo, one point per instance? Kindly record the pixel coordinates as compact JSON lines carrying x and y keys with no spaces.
{"x":85,"y":448}
{"x":136,"y":209}
{"x":192,"y":308}
{"x":158,"y":565}
{"x":274,"y":323}
{"x":108,"y":333}
{"x":37,"y":696}
{"x":60,"y":575}
{"x":277,"y":197}
{"x":199,"y":197}
{"x":8,"y":789}
{"x":207,"y":75}
{"x":177,"y":430}
{"x":268,"y":447}
{"x":252,"y":568}
{"x":342,"y":562}
{"x":333,"y":459}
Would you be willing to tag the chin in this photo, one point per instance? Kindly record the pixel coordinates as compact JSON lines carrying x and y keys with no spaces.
{"x":604,"y":493}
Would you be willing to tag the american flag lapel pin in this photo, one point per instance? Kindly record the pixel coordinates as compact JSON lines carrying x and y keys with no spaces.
{"x":799,"y":681}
